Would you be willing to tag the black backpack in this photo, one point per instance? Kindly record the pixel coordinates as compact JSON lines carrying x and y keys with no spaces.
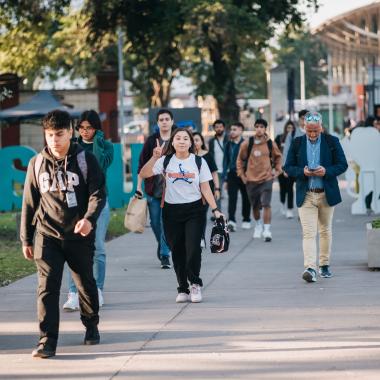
{"x":249,"y":151}
{"x":220,"y":236}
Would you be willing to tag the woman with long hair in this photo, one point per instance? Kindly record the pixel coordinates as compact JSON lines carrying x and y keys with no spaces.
{"x":186,"y":185}
{"x":201,"y":151}
{"x":286,"y":183}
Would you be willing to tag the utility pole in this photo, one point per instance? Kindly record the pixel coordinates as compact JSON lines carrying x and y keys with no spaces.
{"x":302,"y":83}
{"x":121,"y":83}
{"x":331,"y":117}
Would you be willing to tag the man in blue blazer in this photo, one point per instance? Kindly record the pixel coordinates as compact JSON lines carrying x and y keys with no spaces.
{"x":316,"y":160}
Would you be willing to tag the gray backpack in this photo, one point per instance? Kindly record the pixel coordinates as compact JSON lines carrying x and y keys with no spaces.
{"x":82,"y":163}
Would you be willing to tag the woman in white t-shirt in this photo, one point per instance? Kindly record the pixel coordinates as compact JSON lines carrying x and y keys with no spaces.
{"x":187,"y":182}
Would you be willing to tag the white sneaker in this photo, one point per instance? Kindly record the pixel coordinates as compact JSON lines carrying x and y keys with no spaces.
{"x":232,"y":226}
{"x":100,"y":297}
{"x":267,"y":235}
{"x":72,"y":303}
{"x":289,"y":214}
{"x":258,"y":231}
{"x":283,"y":209}
{"x":203,"y":243}
{"x":246,"y":225}
{"x":182,"y":297}
{"x":195,"y":293}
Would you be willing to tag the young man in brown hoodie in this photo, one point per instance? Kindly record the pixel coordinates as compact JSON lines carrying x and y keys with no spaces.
{"x":258,"y":163}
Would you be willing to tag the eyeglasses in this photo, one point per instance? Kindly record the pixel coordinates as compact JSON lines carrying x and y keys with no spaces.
{"x":313,"y":116}
{"x":88,"y":129}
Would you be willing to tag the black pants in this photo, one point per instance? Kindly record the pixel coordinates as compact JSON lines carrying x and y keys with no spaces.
{"x":204,"y":220}
{"x":183,"y":231}
{"x":235,"y":184}
{"x":286,"y":189}
{"x":50,"y":255}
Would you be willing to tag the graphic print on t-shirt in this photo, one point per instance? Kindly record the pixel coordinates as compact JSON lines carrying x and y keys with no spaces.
{"x":182,"y":175}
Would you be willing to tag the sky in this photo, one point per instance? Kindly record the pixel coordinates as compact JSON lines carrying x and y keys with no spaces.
{"x":332,"y":8}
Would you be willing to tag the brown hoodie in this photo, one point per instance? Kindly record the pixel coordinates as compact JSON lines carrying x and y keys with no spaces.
{"x":259,"y":168}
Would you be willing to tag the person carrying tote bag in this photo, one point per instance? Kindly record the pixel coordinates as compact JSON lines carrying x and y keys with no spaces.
{"x":136,"y":214}
{"x":186,"y":184}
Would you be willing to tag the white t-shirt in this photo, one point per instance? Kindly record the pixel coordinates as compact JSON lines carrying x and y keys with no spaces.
{"x":183,"y":178}
{"x":218,"y":154}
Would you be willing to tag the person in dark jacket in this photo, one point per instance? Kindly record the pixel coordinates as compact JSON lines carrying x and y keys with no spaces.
{"x":64,"y":193}
{"x":91,"y":139}
{"x":201,"y":150}
{"x":234,"y":183}
{"x":216,"y":148}
{"x":316,"y":160}
{"x":153,"y":186}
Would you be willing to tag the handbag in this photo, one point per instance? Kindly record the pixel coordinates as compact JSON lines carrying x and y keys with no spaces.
{"x":220,"y":236}
{"x":136,"y":214}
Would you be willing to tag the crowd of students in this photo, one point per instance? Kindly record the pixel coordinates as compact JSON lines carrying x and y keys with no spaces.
{"x":65,"y":213}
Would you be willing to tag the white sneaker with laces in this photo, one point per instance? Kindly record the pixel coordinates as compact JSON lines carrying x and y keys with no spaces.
{"x":100,"y":297}
{"x":182,"y":297}
{"x":72,"y":303}
{"x":246,"y":225}
{"x":267,"y":235}
{"x":289,"y":214}
{"x":258,"y":231}
{"x":195,"y":293}
{"x":203,"y":243}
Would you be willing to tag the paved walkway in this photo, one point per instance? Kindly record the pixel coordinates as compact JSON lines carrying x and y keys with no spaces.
{"x":259,"y":320}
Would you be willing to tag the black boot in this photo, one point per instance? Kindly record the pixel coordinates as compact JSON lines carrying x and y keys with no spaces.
{"x":44,"y":350}
{"x":92,"y":335}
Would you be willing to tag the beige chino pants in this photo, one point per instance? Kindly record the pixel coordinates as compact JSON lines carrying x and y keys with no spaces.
{"x":316,"y":215}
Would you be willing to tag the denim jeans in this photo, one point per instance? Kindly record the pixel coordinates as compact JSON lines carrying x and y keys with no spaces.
{"x":100,"y":250}
{"x":155,"y":214}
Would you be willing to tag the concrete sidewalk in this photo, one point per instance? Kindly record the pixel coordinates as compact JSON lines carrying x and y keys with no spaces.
{"x":259,"y":319}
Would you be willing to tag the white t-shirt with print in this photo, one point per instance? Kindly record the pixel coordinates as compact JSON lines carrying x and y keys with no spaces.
{"x":183,"y":178}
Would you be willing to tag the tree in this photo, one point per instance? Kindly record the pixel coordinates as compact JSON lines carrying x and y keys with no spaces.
{"x":228,"y":32}
{"x":296,"y":45}
{"x":153,"y":30}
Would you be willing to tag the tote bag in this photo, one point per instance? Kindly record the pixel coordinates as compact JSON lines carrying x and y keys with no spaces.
{"x":136,"y":214}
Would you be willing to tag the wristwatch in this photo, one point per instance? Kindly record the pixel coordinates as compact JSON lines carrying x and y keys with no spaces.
{"x":215,"y":209}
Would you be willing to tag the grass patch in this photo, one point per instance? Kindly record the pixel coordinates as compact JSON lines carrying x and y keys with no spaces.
{"x":13,"y":265}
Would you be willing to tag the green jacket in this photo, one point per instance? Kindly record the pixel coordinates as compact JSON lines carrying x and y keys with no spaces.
{"x":102,"y":150}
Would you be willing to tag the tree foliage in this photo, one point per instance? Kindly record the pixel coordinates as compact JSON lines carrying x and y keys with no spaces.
{"x":296,"y":45}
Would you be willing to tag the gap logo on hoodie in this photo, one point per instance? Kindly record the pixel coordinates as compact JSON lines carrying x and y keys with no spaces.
{"x":47,"y":183}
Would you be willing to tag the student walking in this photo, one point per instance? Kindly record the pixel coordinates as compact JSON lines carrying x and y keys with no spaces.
{"x":232,"y":181}
{"x":187,"y":179}
{"x":256,"y":160}
{"x":91,"y":139}
{"x":217,"y":145}
{"x":316,"y":160}
{"x":286,"y":183}
{"x":201,"y":150}
{"x":154,"y":185}
{"x":64,"y":193}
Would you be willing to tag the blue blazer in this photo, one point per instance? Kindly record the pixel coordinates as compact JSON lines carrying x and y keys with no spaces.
{"x":332,"y":159}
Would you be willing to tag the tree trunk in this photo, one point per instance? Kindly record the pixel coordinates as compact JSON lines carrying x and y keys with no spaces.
{"x":224,"y":81}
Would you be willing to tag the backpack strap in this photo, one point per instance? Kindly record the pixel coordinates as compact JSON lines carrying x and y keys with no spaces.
{"x":198,"y":161}
{"x":37,"y":166}
{"x":82,"y":163}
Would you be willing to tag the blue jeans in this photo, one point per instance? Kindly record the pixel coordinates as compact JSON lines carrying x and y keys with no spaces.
{"x":100,"y":250}
{"x":155,"y":213}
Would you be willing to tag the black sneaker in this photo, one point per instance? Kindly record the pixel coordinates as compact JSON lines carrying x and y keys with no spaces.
{"x":92,"y":335}
{"x":44,"y":350}
{"x":324,"y":271}
{"x":309,"y":275}
{"x":165,"y":262}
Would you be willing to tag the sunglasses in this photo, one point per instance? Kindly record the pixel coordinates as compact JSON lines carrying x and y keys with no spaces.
{"x":315,"y":116}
